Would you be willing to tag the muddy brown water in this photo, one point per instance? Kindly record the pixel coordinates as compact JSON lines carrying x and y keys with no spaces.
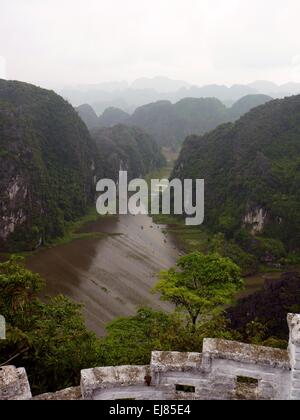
{"x":111,"y":276}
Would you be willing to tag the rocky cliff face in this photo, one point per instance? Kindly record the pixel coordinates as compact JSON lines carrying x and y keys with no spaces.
{"x":256,"y":220}
{"x":47,"y":165}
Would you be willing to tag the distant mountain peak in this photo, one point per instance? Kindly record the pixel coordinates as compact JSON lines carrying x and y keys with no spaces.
{"x":145,"y":90}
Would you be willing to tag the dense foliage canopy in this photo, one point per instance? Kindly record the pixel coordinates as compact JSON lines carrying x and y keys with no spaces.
{"x":48,"y":338}
{"x":200,"y":284}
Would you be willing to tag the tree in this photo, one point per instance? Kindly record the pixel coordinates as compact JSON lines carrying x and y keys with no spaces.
{"x":48,"y":338}
{"x":130,"y":340}
{"x":200,"y":283}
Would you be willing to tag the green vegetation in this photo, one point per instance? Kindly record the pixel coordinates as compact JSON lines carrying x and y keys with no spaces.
{"x":110,"y":117}
{"x":48,"y":338}
{"x":47,"y":166}
{"x":257,"y":319}
{"x":75,"y":230}
{"x":200,"y":284}
{"x":246,"y":103}
{"x":190,"y":239}
{"x":131,"y":340}
{"x":230,"y":249}
{"x":170,"y":123}
{"x":48,"y":162}
{"x":88,"y":116}
{"x":202,"y":239}
{"x":260,"y":318}
{"x":251,"y":170}
{"x":113,"y":116}
{"x":127,"y":148}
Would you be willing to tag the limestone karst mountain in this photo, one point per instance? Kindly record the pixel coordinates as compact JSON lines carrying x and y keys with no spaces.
{"x":113,"y":116}
{"x":252,"y":174}
{"x":169,"y":123}
{"x":127,"y":148}
{"x":88,"y":116}
{"x":47,"y":165}
{"x":128,"y":96}
{"x":245,"y":104}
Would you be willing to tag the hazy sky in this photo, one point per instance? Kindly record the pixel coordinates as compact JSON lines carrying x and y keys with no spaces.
{"x":60,"y":42}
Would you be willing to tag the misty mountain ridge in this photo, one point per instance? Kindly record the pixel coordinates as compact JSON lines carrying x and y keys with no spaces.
{"x":129,"y":96}
{"x":170,"y":123}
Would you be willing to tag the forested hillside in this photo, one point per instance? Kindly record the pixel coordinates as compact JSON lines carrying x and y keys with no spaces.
{"x":127,"y":148}
{"x":47,"y":165}
{"x":245,"y":104}
{"x":252,"y":176}
{"x":88,"y":116}
{"x":169,"y":124}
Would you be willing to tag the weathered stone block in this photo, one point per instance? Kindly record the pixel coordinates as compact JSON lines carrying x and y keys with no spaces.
{"x":14,"y":384}
{"x":296,"y":384}
{"x":93,"y":380}
{"x":69,"y":394}
{"x":295,"y":394}
{"x":296,"y":374}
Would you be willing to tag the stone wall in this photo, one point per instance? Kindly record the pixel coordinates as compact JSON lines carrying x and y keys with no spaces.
{"x":224,"y":370}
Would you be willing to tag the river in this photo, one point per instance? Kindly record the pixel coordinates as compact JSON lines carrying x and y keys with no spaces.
{"x":111,"y":276}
